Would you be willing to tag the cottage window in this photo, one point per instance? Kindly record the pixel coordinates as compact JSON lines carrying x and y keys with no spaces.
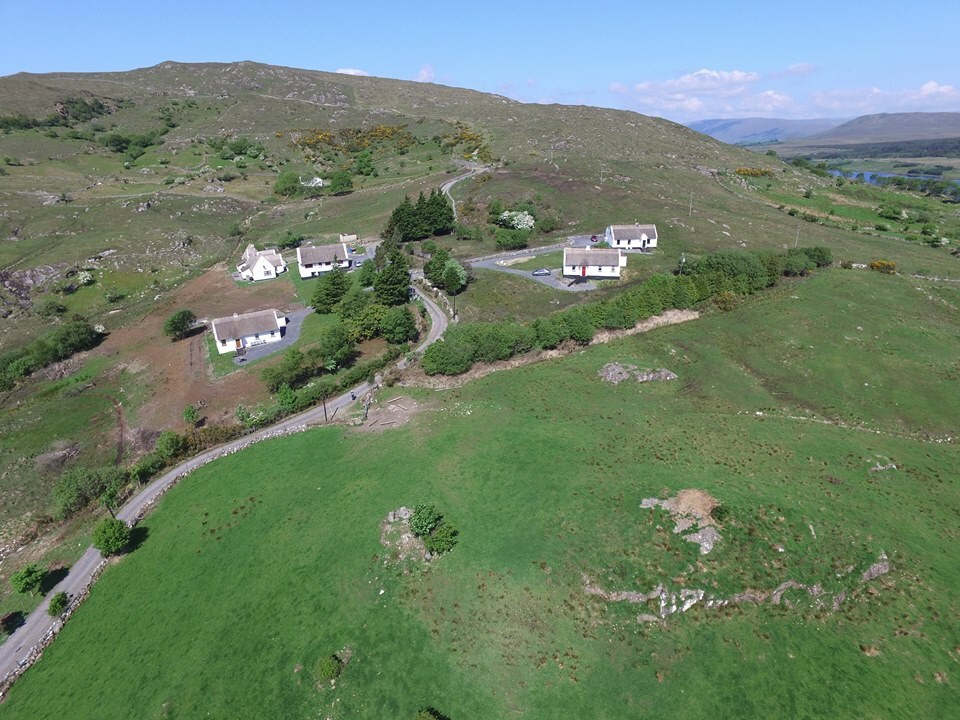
{"x":223,"y":342}
{"x":273,"y":333}
{"x":256,"y":336}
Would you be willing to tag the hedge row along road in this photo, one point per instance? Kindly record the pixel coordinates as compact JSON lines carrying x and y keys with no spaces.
{"x":16,"y":652}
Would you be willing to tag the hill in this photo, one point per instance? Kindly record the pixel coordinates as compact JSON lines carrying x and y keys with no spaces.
{"x":818,"y":413}
{"x":757,"y":131}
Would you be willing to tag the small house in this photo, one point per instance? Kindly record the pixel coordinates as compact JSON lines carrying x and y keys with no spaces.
{"x":314,"y":260}
{"x":596,"y":263}
{"x":261,"y":264}
{"x":239,"y":332}
{"x":631,"y":237}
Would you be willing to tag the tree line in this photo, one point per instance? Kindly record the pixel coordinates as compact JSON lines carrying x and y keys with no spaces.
{"x":721,"y":277}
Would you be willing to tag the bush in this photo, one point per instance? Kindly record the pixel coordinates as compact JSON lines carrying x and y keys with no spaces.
{"x":820,"y":255}
{"x":511,"y":239}
{"x":58,"y":604}
{"x":725,"y":300}
{"x":887,"y":267}
{"x":178,"y":324}
{"x":111,"y":536}
{"x":398,"y":325}
{"x":79,"y":487}
{"x":329,"y":668}
{"x":797,"y":263}
{"x":28,"y":579}
{"x":425,"y":518}
{"x":448,"y":356}
{"x":442,"y":539}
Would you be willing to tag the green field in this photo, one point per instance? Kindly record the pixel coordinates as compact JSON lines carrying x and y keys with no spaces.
{"x":262,"y":563}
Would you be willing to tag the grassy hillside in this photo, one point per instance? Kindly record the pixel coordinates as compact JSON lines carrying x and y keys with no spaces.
{"x":262,"y":563}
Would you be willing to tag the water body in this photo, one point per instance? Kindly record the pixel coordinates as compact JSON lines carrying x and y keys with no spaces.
{"x":871,"y":177}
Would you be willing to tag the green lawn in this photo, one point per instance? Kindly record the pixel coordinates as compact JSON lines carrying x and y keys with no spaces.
{"x":263,"y":562}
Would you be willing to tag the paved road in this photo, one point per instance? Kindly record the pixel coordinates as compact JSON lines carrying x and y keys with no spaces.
{"x":14,"y":651}
{"x":555,"y":280}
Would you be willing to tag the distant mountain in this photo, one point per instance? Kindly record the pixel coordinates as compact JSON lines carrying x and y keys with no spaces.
{"x":750,"y":131}
{"x":890,"y":127}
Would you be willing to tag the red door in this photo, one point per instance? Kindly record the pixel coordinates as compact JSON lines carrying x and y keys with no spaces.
{"x":583,"y":271}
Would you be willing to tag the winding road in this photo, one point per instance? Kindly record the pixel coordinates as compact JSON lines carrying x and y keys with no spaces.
{"x":18,"y":652}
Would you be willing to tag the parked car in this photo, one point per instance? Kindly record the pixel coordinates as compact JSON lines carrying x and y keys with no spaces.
{"x":540,"y":273}
{"x":593,"y":238}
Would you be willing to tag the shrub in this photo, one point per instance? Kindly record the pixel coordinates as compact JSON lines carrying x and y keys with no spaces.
{"x":50,"y":308}
{"x":111,"y":536}
{"x":28,"y":579}
{"x":820,"y":255}
{"x":79,"y":487}
{"x":797,"y":263}
{"x":178,"y":324}
{"x":887,"y":267}
{"x":448,"y":356}
{"x":442,"y":539}
{"x":725,"y":300}
{"x":398,"y":325}
{"x":846,"y":264}
{"x":329,"y":668}
{"x":170,"y":445}
{"x":511,"y":239}
{"x":58,"y":604}
{"x":425,"y":518}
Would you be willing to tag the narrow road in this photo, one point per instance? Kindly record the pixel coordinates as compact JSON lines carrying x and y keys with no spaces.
{"x":15,"y":652}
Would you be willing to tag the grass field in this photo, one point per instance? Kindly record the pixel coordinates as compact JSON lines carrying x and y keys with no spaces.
{"x":262,"y":563}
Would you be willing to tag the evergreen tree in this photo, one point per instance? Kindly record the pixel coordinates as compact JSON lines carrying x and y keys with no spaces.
{"x":434,"y":267}
{"x":330,"y":289}
{"x":402,"y":221}
{"x":439,"y":214}
{"x":454,"y":277}
{"x":392,"y":284}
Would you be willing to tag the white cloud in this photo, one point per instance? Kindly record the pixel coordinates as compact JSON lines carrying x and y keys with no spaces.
{"x":929,"y":97}
{"x":703,"y":93}
{"x":353,"y":71}
{"x":802,"y":69}
{"x":426,"y":74}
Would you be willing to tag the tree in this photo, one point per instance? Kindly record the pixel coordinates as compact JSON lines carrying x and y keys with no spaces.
{"x":341,"y":182}
{"x":331,"y":287}
{"x":178,"y":325}
{"x":392,"y":284}
{"x":287,"y":184}
{"x":399,"y":325}
{"x":438,"y":213}
{"x":434,"y":267}
{"x":454,"y":277}
{"x":111,"y":536}
{"x":28,"y":579}
{"x":366,"y":273}
{"x":58,"y":604}
{"x":169,"y":445}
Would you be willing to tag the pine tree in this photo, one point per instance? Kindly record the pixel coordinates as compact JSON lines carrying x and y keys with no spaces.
{"x":439,"y":213}
{"x":330,"y":289}
{"x":392,"y":284}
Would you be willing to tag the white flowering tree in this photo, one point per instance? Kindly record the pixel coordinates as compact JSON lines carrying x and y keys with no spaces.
{"x":518,"y":220}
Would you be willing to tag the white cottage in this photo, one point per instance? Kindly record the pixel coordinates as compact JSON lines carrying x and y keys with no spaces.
{"x":314,"y":260}
{"x":236,"y":333}
{"x":261,"y":264}
{"x":631,"y":237}
{"x":595,"y":263}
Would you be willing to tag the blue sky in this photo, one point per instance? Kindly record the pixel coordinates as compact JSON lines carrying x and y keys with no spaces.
{"x":682,"y":61}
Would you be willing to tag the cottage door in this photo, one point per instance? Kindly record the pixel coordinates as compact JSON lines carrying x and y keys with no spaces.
{"x":583,"y":271}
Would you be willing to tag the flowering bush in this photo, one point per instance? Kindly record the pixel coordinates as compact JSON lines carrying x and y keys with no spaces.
{"x":84,"y":278}
{"x":518,"y":220}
